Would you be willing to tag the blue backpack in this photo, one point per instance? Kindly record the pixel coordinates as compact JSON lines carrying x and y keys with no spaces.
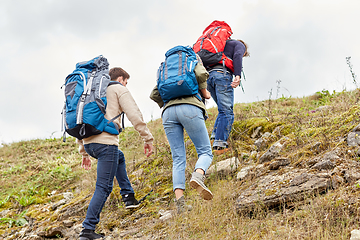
{"x":85,"y":100}
{"x":176,"y":76}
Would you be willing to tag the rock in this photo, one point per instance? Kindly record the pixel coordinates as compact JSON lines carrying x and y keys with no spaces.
{"x":269,"y":193}
{"x":332,"y":155}
{"x":256,"y":132}
{"x":277,"y":131}
{"x":272,"y":153}
{"x":324,"y":165}
{"x":57,"y":204}
{"x":355,"y":235}
{"x":244,"y":173}
{"x":300,"y":179}
{"x":260,"y":144}
{"x":68,"y":195}
{"x":337,"y":181}
{"x":351,"y":175}
{"x":224,"y":168}
{"x":353,"y":139}
{"x":165,"y":215}
{"x":264,"y":141}
{"x":356,"y":129}
{"x":68,"y":223}
{"x":278,"y":162}
{"x":324,"y":160}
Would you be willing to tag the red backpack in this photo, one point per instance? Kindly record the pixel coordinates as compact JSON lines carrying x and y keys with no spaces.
{"x":211,"y":44}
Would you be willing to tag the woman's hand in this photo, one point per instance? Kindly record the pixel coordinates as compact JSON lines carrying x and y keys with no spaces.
{"x":205,"y":93}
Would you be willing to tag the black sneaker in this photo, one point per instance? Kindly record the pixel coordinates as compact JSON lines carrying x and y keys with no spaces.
{"x":87,"y":234}
{"x":130,"y":201}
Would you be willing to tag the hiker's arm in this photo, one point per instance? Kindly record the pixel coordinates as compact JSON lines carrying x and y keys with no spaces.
{"x":86,"y":161}
{"x":236,"y":81}
{"x":205,"y":93}
{"x":132,"y":111}
{"x":155,"y":96}
{"x":201,"y":75}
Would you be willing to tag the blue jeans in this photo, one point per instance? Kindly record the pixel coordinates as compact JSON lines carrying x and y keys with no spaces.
{"x":218,"y":84}
{"x":111,"y":163}
{"x":189,"y":117}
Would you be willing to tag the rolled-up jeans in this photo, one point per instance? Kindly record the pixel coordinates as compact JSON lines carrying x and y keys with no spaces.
{"x":189,"y":117}
{"x":111,"y":163}
{"x":219,"y":86}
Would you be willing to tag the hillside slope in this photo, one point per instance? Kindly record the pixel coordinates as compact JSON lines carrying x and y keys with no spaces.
{"x":44,"y":192}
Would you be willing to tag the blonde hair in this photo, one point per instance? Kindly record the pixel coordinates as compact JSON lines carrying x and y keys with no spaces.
{"x":246,"y":54}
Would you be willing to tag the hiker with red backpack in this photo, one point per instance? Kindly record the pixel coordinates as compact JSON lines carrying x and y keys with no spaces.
{"x":103,"y":145}
{"x":222,"y":57}
{"x":181,"y":85}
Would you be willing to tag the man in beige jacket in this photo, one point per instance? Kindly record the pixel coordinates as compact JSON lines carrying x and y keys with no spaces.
{"x":111,"y":160}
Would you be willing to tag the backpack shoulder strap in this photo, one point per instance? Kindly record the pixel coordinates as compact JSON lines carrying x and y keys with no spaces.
{"x":121,"y":114}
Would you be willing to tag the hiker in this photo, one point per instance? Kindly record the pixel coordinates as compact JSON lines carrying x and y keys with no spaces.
{"x":221,"y":84}
{"x":187,"y":112}
{"x":111,"y":160}
{"x":222,"y":57}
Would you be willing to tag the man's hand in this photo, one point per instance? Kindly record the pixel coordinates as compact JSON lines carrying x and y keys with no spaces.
{"x":236,"y":81}
{"x":86,"y":163}
{"x":149,"y":148}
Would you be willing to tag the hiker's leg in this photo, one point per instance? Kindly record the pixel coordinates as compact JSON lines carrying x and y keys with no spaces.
{"x":192,"y":118}
{"x":122,"y":177}
{"x":225,"y":102}
{"x":175,"y":135}
{"x":211,"y":89}
{"x":107,"y":156}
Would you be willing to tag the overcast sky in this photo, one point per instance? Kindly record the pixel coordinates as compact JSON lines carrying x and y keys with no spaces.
{"x":303,"y":43}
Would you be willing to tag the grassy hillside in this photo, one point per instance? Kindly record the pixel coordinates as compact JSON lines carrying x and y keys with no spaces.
{"x":34,"y":173}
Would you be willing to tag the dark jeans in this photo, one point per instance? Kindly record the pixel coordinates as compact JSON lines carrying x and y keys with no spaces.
{"x":219,"y":85}
{"x":111,"y":163}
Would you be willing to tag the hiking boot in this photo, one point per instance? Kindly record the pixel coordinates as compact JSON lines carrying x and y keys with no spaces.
{"x":87,"y":234}
{"x":197,"y":182}
{"x":130,"y":201}
{"x":181,"y":206}
{"x":219,"y":145}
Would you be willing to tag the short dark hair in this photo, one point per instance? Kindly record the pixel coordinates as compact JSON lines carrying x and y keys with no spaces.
{"x":118,"y":72}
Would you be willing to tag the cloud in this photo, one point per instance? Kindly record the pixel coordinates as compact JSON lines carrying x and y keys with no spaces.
{"x":302,"y":43}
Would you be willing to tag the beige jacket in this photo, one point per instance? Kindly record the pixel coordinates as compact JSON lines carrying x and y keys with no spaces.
{"x":119,"y":100}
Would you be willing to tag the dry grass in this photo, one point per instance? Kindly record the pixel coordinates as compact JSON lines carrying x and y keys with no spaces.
{"x":33,"y":169}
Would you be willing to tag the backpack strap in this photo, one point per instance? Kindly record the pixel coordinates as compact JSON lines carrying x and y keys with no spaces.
{"x":121,"y":114}
{"x":122,"y":121}
{"x":87,"y":89}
